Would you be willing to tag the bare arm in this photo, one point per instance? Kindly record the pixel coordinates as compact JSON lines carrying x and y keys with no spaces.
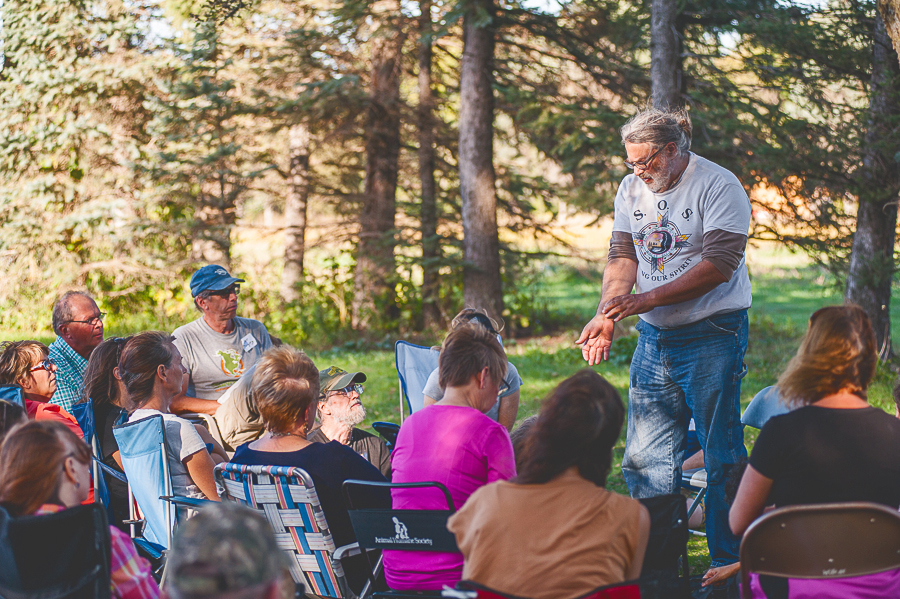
{"x":200,"y":468}
{"x":118,"y":458}
{"x":429,"y":401}
{"x":634,"y":570}
{"x":751,"y":499}
{"x":697,"y":281}
{"x":183,"y":404}
{"x":596,"y":337}
{"x":509,"y":409}
{"x":217,"y":454}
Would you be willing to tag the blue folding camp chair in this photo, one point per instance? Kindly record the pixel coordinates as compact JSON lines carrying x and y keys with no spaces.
{"x":414,"y":365}
{"x":764,"y":405}
{"x":12,"y":394}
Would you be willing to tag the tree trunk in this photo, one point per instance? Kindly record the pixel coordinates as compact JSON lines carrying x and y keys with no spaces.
{"x":295,"y":212}
{"x":375,"y":266}
{"x":872,"y":253}
{"x":890,"y":14}
{"x":665,"y":55}
{"x":431,"y":246}
{"x":481,"y":245}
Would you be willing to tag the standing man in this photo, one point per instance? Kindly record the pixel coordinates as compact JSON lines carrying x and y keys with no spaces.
{"x":340,"y":410}
{"x":678,"y":239}
{"x":78,"y":324}
{"x":218,"y":347}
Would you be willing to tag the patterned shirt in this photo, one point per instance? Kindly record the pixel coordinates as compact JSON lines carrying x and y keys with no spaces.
{"x":130,"y":576}
{"x":70,"y":368}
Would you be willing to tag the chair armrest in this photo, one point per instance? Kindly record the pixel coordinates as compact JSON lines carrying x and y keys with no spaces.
{"x":191,"y":502}
{"x":347,"y":551}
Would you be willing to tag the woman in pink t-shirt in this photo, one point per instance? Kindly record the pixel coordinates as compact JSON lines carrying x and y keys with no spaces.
{"x":454,"y":443}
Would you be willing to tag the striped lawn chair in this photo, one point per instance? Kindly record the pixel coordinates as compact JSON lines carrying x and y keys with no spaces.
{"x":288,"y":500}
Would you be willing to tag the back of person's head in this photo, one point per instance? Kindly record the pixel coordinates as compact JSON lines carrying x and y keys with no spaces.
{"x":466,"y":351}
{"x":139,"y":363}
{"x":478,"y":316}
{"x":519,"y":438}
{"x":17,"y":358}
{"x":578,"y":425}
{"x":32,"y":460}
{"x":225,"y":551}
{"x":11,"y":415}
{"x":838,"y":352}
{"x":285,"y":384}
{"x":100,"y":383}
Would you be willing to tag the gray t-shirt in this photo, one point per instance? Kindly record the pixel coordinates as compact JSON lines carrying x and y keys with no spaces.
{"x":183,"y":441}
{"x":512,"y":381}
{"x":668,"y":227}
{"x":216,"y":361}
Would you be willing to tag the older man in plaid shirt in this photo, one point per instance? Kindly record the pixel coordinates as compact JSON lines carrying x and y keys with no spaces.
{"x":78,"y":324}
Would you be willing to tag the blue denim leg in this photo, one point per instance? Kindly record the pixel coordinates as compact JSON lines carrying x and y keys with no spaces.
{"x":706,"y":360}
{"x":657,"y":422}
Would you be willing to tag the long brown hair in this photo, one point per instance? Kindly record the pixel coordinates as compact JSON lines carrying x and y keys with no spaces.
{"x":578,"y":425}
{"x":837,"y":352}
{"x":100,"y":384}
{"x":32,"y":459}
{"x":141,"y":357}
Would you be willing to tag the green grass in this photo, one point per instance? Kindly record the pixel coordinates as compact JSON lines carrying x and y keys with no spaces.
{"x":786,"y":290}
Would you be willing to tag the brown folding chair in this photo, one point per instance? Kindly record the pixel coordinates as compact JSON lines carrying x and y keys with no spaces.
{"x":828,"y":540}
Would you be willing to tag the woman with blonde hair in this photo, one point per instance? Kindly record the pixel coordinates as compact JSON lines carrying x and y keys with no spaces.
{"x":834,"y":447}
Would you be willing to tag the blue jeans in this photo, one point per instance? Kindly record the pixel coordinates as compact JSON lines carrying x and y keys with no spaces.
{"x":675,"y":372}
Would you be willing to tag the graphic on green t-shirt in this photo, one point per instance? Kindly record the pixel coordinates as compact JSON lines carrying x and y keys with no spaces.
{"x":232,"y":363}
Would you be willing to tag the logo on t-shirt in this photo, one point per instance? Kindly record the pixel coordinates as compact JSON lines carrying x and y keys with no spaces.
{"x":660,"y":242}
{"x":231,"y":362}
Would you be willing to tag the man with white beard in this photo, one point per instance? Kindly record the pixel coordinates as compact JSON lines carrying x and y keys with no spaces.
{"x":340,"y":410}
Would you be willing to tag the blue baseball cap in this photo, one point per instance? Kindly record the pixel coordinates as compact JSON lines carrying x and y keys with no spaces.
{"x":212,"y":277}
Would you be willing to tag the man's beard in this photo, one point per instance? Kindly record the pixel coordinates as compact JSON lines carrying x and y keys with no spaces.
{"x":661,"y":176}
{"x":352,"y":416}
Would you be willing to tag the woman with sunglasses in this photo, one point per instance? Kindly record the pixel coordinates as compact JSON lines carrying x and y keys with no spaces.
{"x":45,"y":469}
{"x":834,"y":447}
{"x":506,"y":408}
{"x":28,"y":364}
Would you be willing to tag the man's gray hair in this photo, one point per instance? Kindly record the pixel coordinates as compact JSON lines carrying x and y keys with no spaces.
{"x":204,"y":295}
{"x":62,"y":309}
{"x":658,"y":128}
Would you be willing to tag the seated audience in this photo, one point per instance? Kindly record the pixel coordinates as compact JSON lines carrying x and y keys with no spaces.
{"x":46,"y":468}
{"x":28,"y":364}
{"x":226,"y":550}
{"x":834,"y":448}
{"x":11,"y":416}
{"x":106,"y":391}
{"x":555,"y":531}
{"x":453,"y":443}
{"x":150,"y":367}
{"x":506,"y":406}
{"x":285,"y":388}
{"x":340,"y":410}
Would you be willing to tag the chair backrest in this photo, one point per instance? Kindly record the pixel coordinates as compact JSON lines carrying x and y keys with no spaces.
{"x":409,"y":530}
{"x":764,"y":405}
{"x":143,"y":450}
{"x":666,"y":549}
{"x":414,"y":365}
{"x":64,"y":555}
{"x":84,"y":414}
{"x":287,"y":498}
{"x":12,"y":394}
{"x":828,"y":540}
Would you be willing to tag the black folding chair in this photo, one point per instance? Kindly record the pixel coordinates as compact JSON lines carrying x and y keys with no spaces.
{"x":64,"y":555}
{"x":666,"y":549}
{"x":405,"y":530}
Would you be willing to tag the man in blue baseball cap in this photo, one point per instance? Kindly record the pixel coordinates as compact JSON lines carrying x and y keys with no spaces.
{"x":218,"y":347}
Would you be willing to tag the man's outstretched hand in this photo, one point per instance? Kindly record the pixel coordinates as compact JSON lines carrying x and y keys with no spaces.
{"x":596,"y":339}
